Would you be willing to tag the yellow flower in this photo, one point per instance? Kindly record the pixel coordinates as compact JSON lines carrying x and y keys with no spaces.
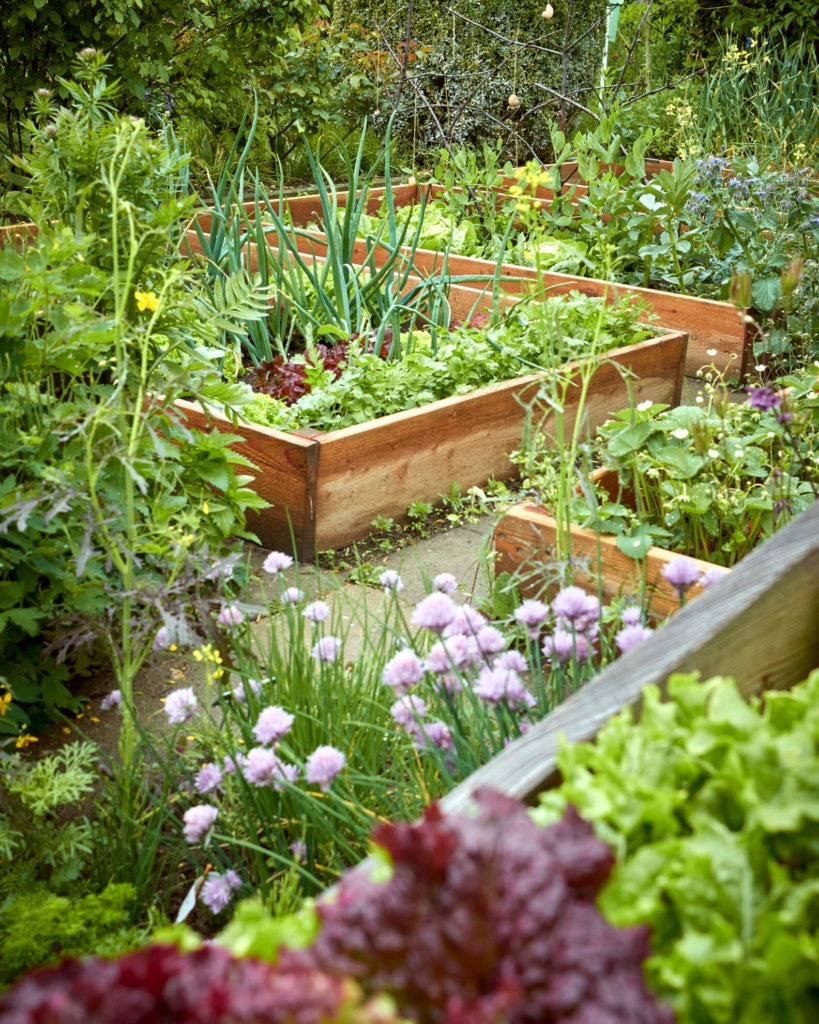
{"x":146,"y":300}
{"x":5,"y":700}
{"x":24,"y":739}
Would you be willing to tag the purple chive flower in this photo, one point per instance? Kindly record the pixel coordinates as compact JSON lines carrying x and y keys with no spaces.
{"x":712,"y":576}
{"x":495,"y":685}
{"x":299,"y":850}
{"x":162,"y":640}
{"x":448,"y":682}
{"x":561,"y":646}
{"x":323,"y":765}
{"x":277,"y":561}
{"x":682,"y":573}
{"x":531,"y":615}
{"x":218,"y":890}
{"x":180,"y":706}
{"x":408,"y":711}
{"x":111,"y":700}
{"x":198,"y":822}
{"x":574,"y":605}
{"x":489,"y":640}
{"x":433,"y":734}
{"x":763,"y":399}
{"x":434,"y":612}
{"x":208,"y":778}
{"x":513,"y":660}
{"x":467,"y":620}
{"x":632,"y":615}
{"x":631,"y":636}
{"x":230,"y":615}
{"x":318,"y":611}
{"x":272,"y":725}
{"x":233,"y":763}
{"x":391,"y":581}
{"x":403,"y":671}
{"x":443,"y":656}
{"x":327,"y":649}
{"x":445,"y":583}
{"x":292,"y":596}
{"x":262,"y":767}
{"x":240,"y":693}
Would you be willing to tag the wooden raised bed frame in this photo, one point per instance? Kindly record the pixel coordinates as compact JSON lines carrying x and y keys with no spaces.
{"x":326,"y":488}
{"x":760,"y":625}
{"x":526,"y":537}
{"x":712,"y":326}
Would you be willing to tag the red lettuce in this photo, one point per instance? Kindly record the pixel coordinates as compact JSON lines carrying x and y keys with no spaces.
{"x":488,"y":918}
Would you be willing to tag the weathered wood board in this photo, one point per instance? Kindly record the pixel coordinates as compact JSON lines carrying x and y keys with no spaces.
{"x":380,"y":467}
{"x":760,"y":624}
{"x":526,"y":538}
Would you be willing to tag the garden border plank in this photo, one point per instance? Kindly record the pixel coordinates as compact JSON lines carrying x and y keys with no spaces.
{"x":760,"y":625}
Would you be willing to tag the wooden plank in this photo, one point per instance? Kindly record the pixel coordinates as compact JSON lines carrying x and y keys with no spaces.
{"x":760,"y":625}
{"x":18,"y":234}
{"x":285,"y":475}
{"x":526,"y":538}
{"x":385,"y":464}
{"x":712,"y":327}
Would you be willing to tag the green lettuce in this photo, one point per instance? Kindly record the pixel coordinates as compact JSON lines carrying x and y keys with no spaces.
{"x":711,"y":805}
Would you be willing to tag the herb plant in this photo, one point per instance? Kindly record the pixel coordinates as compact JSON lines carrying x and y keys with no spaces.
{"x":710,"y":805}
{"x":531,"y":336}
{"x":710,"y":480}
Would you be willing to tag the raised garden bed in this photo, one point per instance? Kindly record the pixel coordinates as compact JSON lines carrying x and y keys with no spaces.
{"x":717,"y":332}
{"x":326,"y":488}
{"x":760,"y":625}
{"x":526,"y":537}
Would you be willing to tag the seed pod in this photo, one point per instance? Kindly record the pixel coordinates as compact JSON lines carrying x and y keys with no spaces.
{"x":548,"y":12}
{"x":513,"y":101}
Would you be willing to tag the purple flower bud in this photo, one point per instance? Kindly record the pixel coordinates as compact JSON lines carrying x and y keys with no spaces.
{"x":272,"y":725}
{"x":198,"y":822}
{"x":632,"y":636}
{"x":181,"y":705}
{"x":323,"y":766}
{"x":277,"y":561}
{"x":391,"y":581}
{"x":445,"y":583}
{"x":682,"y":573}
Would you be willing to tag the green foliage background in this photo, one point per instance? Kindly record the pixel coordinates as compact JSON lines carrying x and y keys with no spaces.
{"x":467,"y":70}
{"x":207,"y":53}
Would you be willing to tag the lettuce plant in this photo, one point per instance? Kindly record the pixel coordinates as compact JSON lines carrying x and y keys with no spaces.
{"x":711,"y":806}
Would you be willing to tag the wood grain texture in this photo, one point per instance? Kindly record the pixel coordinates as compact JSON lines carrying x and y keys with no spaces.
{"x":385,"y":464}
{"x":285,"y":475}
{"x":760,"y":625}
{"x":525,"y":541}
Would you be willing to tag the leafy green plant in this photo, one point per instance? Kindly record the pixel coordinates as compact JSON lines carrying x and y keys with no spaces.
{"x":39,"y":928}
{"x":532,"y":336}
{"x":709,"y":804}
{"x":339,"y":295}
{"x":709,"y":480}
{"x":38,"y":843}
{"x":340,"y":716}
{"x":106,"y":495}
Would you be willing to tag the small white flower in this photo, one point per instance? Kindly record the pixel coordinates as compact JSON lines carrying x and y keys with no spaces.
{"x":699,"y":399}
{"x":680,"y":433}
{"x":713,"y":453}
{"x":760,"y":368}
{"x":645,"y":406}
{"x":738,"y":453}
{"x":710,"y":351}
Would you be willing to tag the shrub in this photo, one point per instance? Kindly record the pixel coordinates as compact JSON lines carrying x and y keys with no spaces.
{"x":461,"y":71}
